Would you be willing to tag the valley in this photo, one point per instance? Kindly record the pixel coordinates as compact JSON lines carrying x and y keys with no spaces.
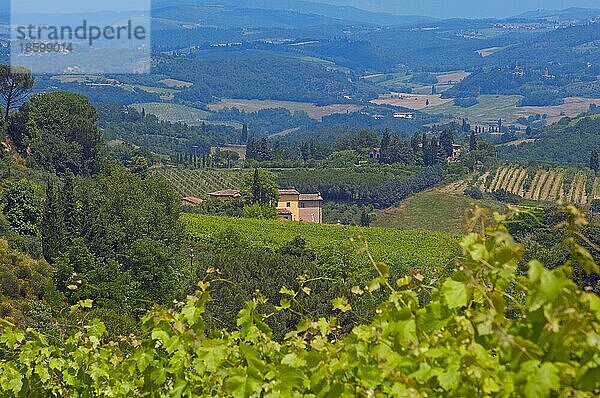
{"x":290,"y":198}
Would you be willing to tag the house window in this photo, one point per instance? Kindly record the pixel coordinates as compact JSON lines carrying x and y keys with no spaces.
{"x":288,"y":204}
{"x":302,"y":205}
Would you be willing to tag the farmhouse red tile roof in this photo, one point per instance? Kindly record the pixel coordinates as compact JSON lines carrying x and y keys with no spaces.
{"x":226,"y":192}
{"x":193,"y":200}
{"x":311,"y":197}
{"x":292,"y":191}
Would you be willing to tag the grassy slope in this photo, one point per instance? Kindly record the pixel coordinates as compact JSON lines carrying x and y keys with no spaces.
{"x":433,"y":211}
{"x":402,"y":250}
{"x":179,"y":113}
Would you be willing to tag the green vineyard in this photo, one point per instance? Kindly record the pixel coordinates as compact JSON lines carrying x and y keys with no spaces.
{"x":201,"y":182}
{"x":431,"y":253}
{"x":576,"y":186}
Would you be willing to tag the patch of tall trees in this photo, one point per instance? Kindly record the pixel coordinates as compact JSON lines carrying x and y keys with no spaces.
{"x":58,"y":133}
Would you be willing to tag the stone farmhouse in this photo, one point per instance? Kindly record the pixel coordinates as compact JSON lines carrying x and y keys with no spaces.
{"x":292,"y":205}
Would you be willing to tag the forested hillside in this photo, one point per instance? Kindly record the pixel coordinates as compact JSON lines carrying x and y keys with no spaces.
{"x":568,"y":142}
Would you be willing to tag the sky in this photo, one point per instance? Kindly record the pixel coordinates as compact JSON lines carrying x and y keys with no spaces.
{"x":463,"y":8}
{"x":433,"y":8}
{"x":76,"y":6}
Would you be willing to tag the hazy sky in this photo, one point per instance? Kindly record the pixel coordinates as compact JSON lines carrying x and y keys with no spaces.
{"x":463,"y":8}
{"x":64,"y":6}
{"x":435,"y":8}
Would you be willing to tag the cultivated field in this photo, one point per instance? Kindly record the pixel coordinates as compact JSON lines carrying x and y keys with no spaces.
{"x":412,"y":101}
{"x":199,"y":183}
{"x":165,"y":94}
{"x":175,"y":83}
{"x":486,"y":52}
{"x":574,"y":186}
{"x":403,"y":251}
{"x":179,"y":113}
{"x":573,"y":106}
{"x":494,"y":107}
{"x":451,"y":78}
{"x":314,"y":111}
{"x":395,"y":81}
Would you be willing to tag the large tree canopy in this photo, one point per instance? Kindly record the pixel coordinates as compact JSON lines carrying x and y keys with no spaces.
{"x":59,"y":131}
{"x":15,"y":83}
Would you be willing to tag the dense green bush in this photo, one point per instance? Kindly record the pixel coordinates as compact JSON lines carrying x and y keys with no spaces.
{"x":22,"y":207}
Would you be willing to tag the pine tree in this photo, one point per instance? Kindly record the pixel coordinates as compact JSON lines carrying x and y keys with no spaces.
{"x":53,"y":229}
{"x":595,"y":161}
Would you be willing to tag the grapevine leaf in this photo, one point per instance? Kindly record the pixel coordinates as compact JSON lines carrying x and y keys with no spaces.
{"x":455,"y":294}
{"x":341,"y":304}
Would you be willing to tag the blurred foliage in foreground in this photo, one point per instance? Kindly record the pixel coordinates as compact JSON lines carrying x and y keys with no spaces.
{"x":488,"y":330}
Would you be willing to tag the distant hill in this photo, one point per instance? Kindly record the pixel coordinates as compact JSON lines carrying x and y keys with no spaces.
{"x":458,"y":8}
{"x":573,"y":13}
{"x":302,"y":9}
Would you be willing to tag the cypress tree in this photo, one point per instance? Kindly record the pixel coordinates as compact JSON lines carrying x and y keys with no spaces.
{"x":446,"y":142}
{"x":92,"y":228}
{"x":414,"y":142}
{"x":427,"y":158}
{"x":251,"y":148}
{"x":439,"y":153}
{"x":54,"y":233}
{"x":365,"y":218}
{"x":244,"y":133}
{"x":264,"y":152}
{"x":256,"y":189}
{"x":473,"y":141}
{"x":594,"y":161}
{"x":386,"y":141}
{"x":71,"y":212}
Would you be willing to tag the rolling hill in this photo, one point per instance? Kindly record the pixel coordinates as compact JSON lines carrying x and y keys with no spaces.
{"x":302,"y":10}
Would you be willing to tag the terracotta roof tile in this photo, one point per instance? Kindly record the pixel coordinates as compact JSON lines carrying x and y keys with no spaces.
{"x":226,"y":192}
{"x":292,"y":191}
{"x":311,"y":197}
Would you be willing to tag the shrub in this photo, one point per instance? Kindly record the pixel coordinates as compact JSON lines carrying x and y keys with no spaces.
{"x":474,"y":193}
{"x":261,"y":212}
